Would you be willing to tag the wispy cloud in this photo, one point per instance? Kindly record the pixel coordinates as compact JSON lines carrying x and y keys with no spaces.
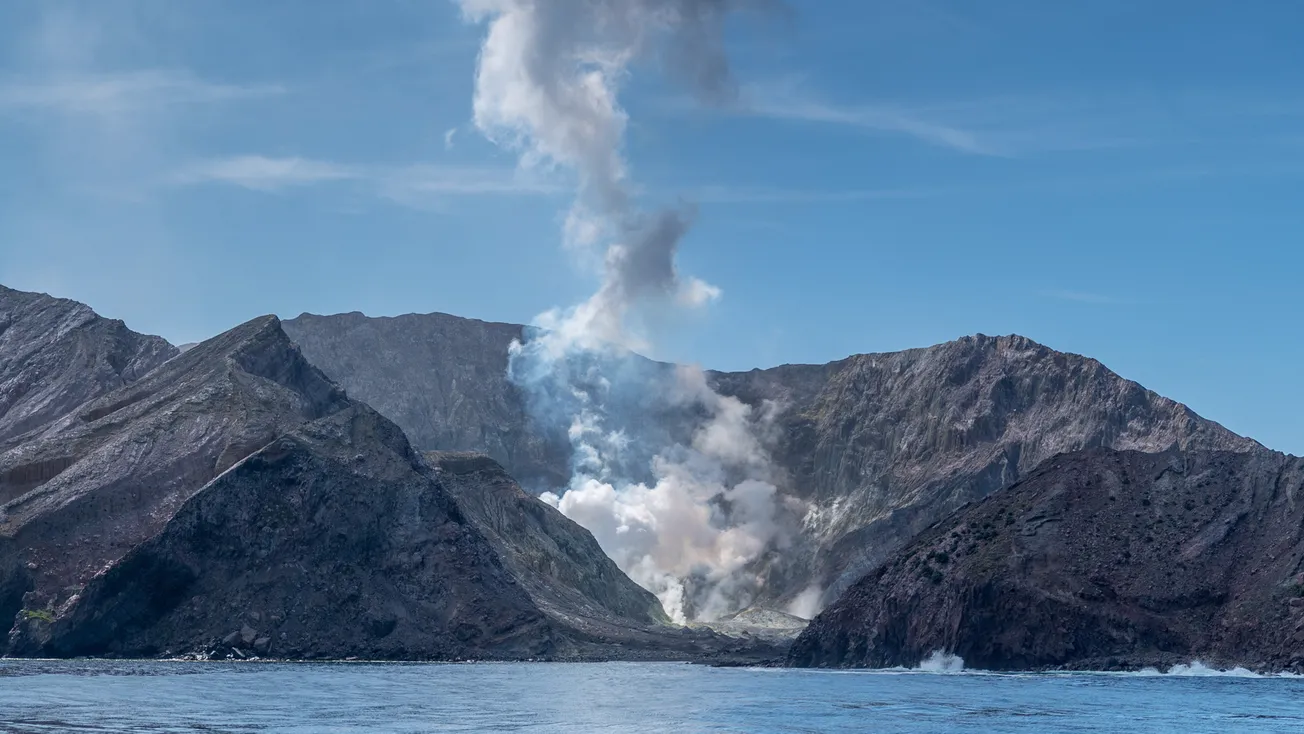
{"x":786,"y":100}
{"x":110,"y":93}
{"x":774,"y":195}
{"x":414,"y":185}
{"x":261,"y":173}
{"x":1019,"y":125}
{"x":785,"y":104}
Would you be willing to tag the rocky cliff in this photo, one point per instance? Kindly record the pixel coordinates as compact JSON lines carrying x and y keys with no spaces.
{"x":873,"y":448}
{"x":880,"y":446}
{"x":560,"y":564}
{"x":443,"y":380}
{"x":57,"y":354}
{"x":563,"y":570}
{"x":1097,"y":559}
{"x":329,"y":542}
{"x":234,"y":501}
{"x":82,"y":492}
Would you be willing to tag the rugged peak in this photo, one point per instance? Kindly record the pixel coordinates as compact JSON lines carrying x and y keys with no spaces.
{"x":56,"y":354}
{"x":1096,"y":559}
{"x":258,"y":348}
{"x":457,"y":366}
{"x":561,"y":564}
{"x":355,"y":318}
{"x":869,"y":450}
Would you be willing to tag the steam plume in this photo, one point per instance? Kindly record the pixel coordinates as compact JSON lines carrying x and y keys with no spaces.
{"x":668,"y":475}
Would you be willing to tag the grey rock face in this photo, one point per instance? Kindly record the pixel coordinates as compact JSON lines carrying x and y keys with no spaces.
{"x":563,"y":570}
{"x":880,"y":446}
{"x":82,"y":492}
{"x":235,"y":502}
{"x":1100,"y":560}
{"x":57,"y":354}
{"x":329,"y":542}
{"x":560,"y":564}
{"x":442,"y":379}
{"x":873,"y":448}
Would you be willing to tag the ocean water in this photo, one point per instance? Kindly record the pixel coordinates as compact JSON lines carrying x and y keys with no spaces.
{"x":101,"y":696}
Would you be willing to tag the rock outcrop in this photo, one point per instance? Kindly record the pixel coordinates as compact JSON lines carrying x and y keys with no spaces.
{"x":329,"y":542}
{"x":559,"y":563}
{"x":880,"y":446}
{"x":235,"y":502}
{"x":57,"y":354}
{"x":563,"y":570}
{"x":443,"y":380}
{"x":1096,"y":560}
{"x":873,"y":448}
{"x":82,"y":492}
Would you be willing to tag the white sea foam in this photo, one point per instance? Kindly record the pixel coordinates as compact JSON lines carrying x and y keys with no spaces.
{"x":941,"y":662}
{"x":1197,"y":669}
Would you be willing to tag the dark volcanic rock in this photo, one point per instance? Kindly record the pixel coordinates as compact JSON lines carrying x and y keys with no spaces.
{"x":873,"y":448}
{"x":880,"y":446}
{"x":82,"y":492}
{"x":235,"y":502}
{"x":443,"y":380}
{"x":560,"y":564}
{"x":562,"y":568}
{"x":57,"y":354}
{"x":329,"y":542}
{"x":1098,"y":559}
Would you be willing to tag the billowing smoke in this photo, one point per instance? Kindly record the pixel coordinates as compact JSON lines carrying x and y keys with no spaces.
{"x":668,"y":475}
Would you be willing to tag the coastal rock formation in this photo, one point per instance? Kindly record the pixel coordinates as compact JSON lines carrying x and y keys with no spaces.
{"x":81,"y":493}
{"x":443,"y":380}
{"x":880,"y":446}
{"x":57,"y":354}
{"x":329,"y":542}
{"x":559,"y":563}
{"x":235,"y":502}
{"x":1099,"y":560}
{"x":871,"y":449}
{"x":563,"y":570}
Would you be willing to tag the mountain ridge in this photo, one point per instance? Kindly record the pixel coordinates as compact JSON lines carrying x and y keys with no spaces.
{"x":1098,"y":559}
{"x":234,"y":501}
{"x":81,"y":355}
{"x":876,"y":445}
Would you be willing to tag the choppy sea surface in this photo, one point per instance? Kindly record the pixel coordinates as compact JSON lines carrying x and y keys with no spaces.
{"x":103,"y":696}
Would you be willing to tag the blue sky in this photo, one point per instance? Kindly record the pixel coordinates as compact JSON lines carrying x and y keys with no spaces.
{"x":1118,"y":179}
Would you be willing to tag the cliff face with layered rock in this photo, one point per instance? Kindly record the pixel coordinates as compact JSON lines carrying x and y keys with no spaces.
{"x":235,"y":502}
{"x":1100,"y":560}
{"x":329,"y":542}
{"x":443,"y":379}
{"x":56,"y":354}
{"x":81,"y":493}
{"x":872,"y":448}
{"x":560,"y":564}
{"x":880,"y":446}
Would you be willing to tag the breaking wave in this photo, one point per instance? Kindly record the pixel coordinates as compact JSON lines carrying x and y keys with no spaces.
{"x":1197,"y":669}
{"x":941,"y":662}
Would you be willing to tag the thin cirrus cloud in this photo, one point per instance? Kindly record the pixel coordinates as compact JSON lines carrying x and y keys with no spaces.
{"x":414,"y":185}
{"x":1005,"y":126}
{"x":782,"y":101}
{"x":106,"y":93}
{"x":417,"y":185}
{"x":1026,"y":124}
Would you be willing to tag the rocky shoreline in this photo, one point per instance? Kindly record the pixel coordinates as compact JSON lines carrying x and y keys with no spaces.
{"x":1016,"y":506}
